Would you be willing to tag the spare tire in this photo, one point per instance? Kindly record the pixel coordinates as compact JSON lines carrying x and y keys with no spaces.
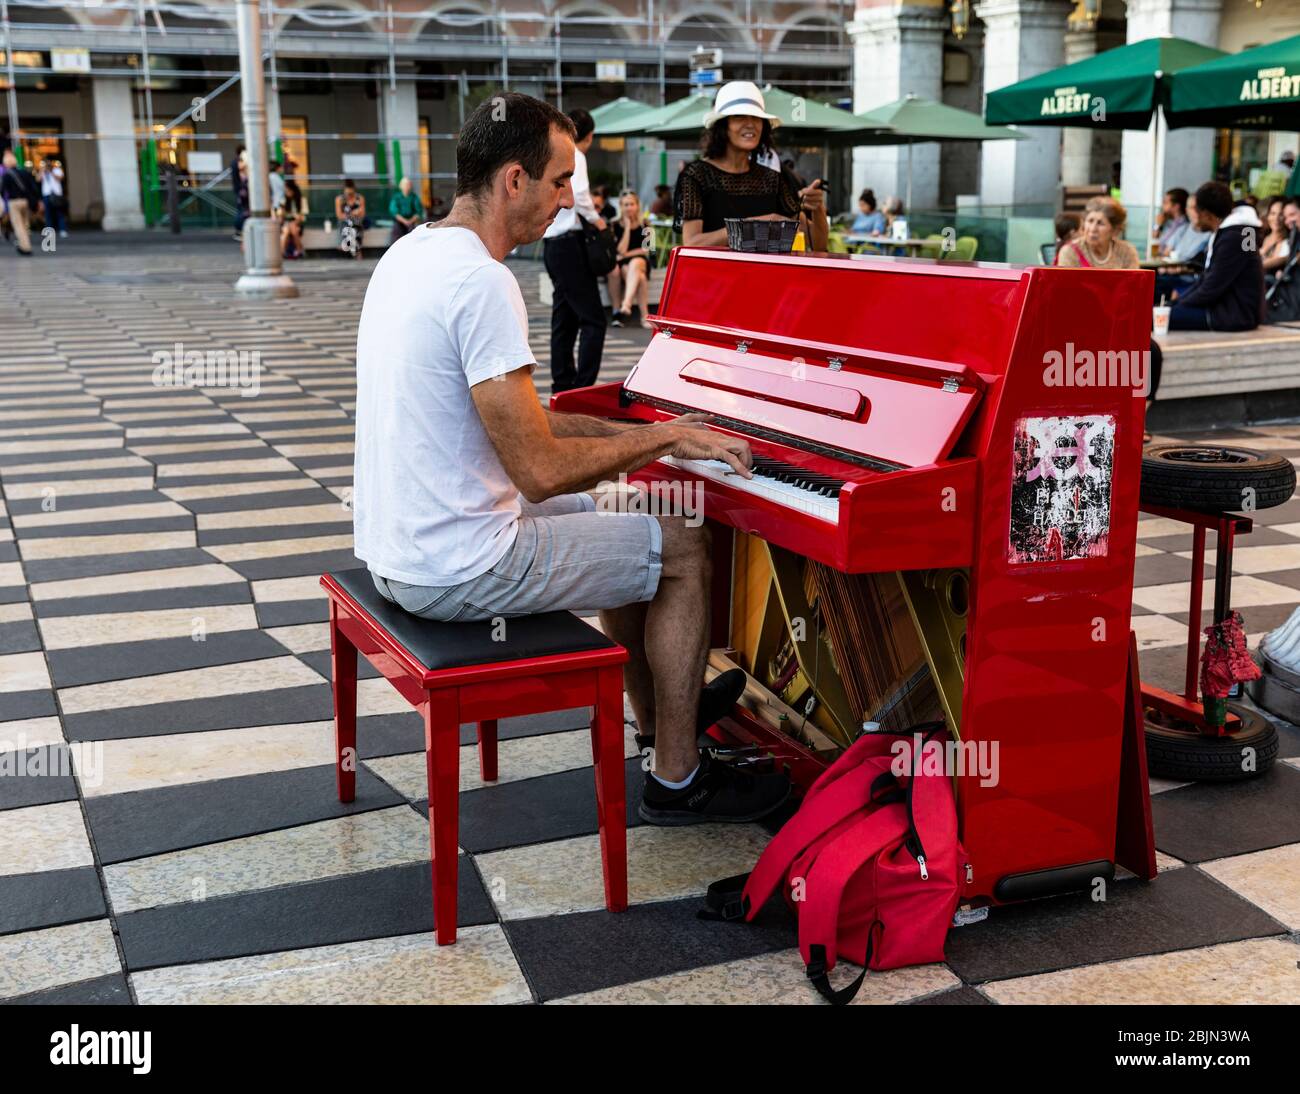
{"x":1178,"y":750}
{"x":1210,"y":478}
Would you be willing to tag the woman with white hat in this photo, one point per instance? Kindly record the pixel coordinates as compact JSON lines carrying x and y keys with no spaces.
{"x":731,"y":181}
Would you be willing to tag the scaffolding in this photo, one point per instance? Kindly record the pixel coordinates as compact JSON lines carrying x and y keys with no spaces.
{"x":455,"y":53}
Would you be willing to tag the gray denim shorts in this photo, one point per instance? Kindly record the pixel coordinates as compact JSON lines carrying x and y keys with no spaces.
{"x":566,"y":556}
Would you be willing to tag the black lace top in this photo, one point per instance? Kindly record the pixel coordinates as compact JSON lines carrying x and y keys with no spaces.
{"x":710,"y":194}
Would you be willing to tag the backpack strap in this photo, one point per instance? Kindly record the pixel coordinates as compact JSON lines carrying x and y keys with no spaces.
{"x":818,"y":815}
{"x":839,"y":861}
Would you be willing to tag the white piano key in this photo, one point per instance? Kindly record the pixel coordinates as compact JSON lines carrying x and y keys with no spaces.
{"x":774,"y":490}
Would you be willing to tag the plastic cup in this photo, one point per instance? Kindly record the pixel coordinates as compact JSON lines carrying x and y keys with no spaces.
{"x":1160,"y":320}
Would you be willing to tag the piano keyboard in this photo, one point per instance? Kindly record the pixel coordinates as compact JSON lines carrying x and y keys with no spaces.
{"x":782,"y":483}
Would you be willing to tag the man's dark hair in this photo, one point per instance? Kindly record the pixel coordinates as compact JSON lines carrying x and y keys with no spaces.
{"x":715,"y":141}
{"x":507,"y":128}
{"x":868,"y":198}
{"x":1214,"y":198}
{"x":1179,"y":197}
{"x":583,"y":123}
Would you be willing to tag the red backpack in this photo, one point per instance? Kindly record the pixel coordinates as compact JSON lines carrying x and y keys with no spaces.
{"x":870,"y":864}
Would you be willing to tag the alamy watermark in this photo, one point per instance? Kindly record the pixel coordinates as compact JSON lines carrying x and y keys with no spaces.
{"x":658,"y":498}
{"x":1100,"y":368}
{"x":181,"y":367}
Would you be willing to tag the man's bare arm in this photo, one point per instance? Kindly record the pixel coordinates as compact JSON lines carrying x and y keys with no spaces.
{"x":543,"y":465}
{"x":584,"y":425}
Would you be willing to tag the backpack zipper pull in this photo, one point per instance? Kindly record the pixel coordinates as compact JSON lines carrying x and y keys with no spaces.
{"x":925,"y":874}
{"x":970,"y":874}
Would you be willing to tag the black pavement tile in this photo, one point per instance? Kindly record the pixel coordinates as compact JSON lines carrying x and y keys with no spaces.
{"x":13,"y":594}
{"x":184,"y":523}
{"x":48,"y":898}
{"x":539,"y":810}
{"x":26,"y":704}
{"x":169,"y":818}
{"x":14,"y":461}
{"x":1164,"y":569}
{"x":963,"y":996}
{"x":97,"y":565}
{"x":289,"y":613}
{"x":320,"y":562}
{"x":1256,"y":617}
{"x":35,"y":776}
{"x":212,"y":455}
{"x":1206,"y":821}
{"x":55,"y":477}
{"x":81,"y":502}
{"x":1289,"y":578}
{"x":375,"y":904}
{"x":213,"y":537}
{"x":19,"y":636}
{"x":102,"y":991}
{"x":281,"y":706}
{"x":9,"y":552}
{"x":308,"y":494}
{"x":1182,"y":909}
{"x":389,"y":735}
{"x":1165,"y":667}
{"x":122,"y":660}
{"x":586,"y":951}
{"x":183,"y":596}
{"x":320,"y":661}
{"x":222,"y":479}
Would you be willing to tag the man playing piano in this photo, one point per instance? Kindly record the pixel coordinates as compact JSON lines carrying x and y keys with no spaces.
{"x":471,"y":500}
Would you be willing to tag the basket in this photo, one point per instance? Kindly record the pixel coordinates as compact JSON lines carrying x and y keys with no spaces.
{"x":761,"y":236}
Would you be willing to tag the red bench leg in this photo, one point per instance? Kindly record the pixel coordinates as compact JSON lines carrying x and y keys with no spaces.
{"x":611,"y":806}
{"x":442,"y":760}
{"x":487,"y":750}
{"x":343,"y":666}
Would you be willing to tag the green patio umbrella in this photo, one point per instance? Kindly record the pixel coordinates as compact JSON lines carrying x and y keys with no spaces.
{"x":1120,"y":88}
{"x":618,"y":112}
{"x":1256,"y":89}
{"x":1116,"y":89}
{"x":693,"y":107}
{"x":914,"y":120}
{"x":799,"y":115}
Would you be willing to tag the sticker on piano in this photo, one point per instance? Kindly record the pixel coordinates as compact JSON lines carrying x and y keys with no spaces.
{"x":1060,"y":493}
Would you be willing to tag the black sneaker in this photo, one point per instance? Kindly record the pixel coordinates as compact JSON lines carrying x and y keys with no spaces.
{"x":717,"y":792}
{"x":717,"y":697}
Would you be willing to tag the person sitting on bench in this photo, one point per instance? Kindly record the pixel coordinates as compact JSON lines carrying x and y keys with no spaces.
{"x":471,"y":500}
{"x":1229,"y":295}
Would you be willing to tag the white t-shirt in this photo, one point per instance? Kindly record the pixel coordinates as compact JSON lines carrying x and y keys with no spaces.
{"x":432,"y":504}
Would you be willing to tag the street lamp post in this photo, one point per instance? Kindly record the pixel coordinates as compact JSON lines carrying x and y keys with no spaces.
{"x":264,"y":275}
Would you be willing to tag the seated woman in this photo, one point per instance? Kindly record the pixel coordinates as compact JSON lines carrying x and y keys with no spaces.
{"x":292,"y":213}
{"x":1275,"y":248}
{"x":1099,"y":244}
{"x":870,"y":221}
{"x":631,"y":275}
{"x":730,"y":182}
{"x":350,"y":209}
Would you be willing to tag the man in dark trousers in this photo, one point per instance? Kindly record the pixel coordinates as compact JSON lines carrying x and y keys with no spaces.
{"x":1229,"y":295}
{"x":576,"y":311}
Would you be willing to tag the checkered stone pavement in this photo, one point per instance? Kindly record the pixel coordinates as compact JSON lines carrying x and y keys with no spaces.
{"x":169,"y":830}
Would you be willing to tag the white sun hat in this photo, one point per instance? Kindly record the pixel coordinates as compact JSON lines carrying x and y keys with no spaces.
{"x":740,"y":97}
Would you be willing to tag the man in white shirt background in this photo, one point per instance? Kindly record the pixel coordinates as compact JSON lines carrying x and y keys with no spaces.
{"x":576,"y":311}
{"x":471,"y":501}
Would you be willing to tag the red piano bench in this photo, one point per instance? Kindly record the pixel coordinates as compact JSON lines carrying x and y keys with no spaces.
{"x":479,"y":672}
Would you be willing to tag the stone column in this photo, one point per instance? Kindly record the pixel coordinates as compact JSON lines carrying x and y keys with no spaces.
{"x":1186,"y":155}
{"x":399,"y":117}
{"x":119,"y":165}
{"x":897,"y":51}
{"x":1021,"y":39}
{"x":1076,"y":142}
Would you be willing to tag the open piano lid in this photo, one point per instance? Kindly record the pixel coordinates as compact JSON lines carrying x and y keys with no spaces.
{"x":845,"y":396}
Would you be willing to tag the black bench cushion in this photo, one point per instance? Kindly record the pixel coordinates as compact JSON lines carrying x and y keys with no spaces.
{"x":453,"y":645}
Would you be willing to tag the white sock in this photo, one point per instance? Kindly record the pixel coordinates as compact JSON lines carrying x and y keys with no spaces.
{"x":676,"y":786}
